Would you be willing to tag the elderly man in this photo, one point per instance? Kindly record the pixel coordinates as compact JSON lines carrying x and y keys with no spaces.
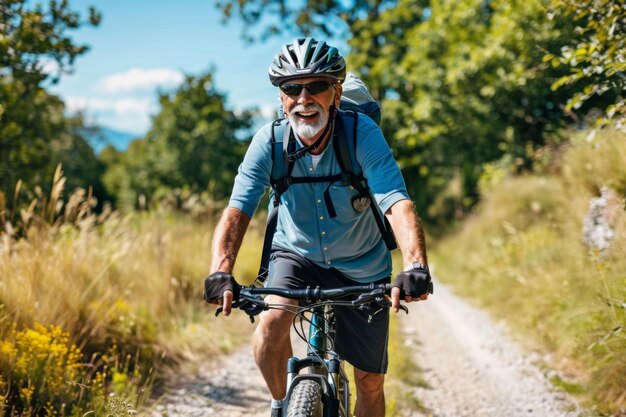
{"x":322,"y":238}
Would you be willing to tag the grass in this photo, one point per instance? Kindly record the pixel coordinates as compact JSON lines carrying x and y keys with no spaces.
{"x":403,"y":374}
{"x":523,"y":257}
{"x":93,"y":305}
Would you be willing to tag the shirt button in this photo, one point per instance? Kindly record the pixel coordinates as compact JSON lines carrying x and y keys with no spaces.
{"x":321,"y":217}
{"x":319,"y":201}
{"x":325,"y":248}
{"x":327,"y":262}
{"x":310,"y":169}
{"x":323,"y":232}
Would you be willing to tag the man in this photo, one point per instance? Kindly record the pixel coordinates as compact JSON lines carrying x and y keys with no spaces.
{"x":311,"y":247}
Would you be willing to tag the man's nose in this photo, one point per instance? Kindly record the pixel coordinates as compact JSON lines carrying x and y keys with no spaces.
{"x":304,"y":96}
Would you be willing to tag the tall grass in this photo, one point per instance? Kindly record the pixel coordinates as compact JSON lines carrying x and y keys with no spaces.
{"x":100,"y":303}
{"x":523,"y":257}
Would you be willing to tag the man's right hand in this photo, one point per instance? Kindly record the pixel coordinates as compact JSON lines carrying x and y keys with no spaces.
{"x":221,"y":288}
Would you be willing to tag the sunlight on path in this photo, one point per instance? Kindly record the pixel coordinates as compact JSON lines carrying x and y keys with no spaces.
{"x":472,"y":366}
{"x":233,"y":387}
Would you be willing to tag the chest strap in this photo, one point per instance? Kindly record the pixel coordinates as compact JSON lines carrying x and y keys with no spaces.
{"x":346,"y":177}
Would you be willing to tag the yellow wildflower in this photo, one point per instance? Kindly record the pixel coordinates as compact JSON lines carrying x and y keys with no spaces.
{"x":26,"y":393}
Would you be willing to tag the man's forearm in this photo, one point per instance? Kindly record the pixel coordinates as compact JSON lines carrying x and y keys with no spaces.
{"x":227,"y":239}
{"x":407,"y":228}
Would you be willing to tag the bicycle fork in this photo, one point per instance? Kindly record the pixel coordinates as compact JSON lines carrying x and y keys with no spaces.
{"x":328,"y":373}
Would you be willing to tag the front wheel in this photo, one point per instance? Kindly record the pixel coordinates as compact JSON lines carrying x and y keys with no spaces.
{"x":305,"y":400}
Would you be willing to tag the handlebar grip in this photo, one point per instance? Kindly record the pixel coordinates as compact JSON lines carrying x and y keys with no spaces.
{"x":388,"y":288}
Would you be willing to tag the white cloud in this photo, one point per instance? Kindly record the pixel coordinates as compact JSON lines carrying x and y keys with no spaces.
{"x":140,"y":79}
{"x":125,"y":114}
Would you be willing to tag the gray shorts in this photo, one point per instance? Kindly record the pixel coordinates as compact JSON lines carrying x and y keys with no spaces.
{"x":362,"y":344}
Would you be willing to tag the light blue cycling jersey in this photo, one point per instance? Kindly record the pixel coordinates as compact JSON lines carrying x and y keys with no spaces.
{"x":350,"y":242}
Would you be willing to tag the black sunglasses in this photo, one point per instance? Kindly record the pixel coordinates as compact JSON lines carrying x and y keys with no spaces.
{"x":313,"y":88}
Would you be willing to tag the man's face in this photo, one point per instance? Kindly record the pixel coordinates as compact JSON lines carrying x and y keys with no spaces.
{"x":308,"y":109}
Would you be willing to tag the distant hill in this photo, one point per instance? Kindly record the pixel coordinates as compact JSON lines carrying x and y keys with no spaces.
{"x":107,"y":136}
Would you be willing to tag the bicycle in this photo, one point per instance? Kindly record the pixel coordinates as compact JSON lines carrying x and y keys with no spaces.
{"x":325,"y":390}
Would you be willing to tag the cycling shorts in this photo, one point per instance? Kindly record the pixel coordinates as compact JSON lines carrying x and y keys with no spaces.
{"x":362,"y":344}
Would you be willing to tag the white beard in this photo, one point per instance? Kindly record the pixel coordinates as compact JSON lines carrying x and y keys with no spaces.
{"x":306,"y":130}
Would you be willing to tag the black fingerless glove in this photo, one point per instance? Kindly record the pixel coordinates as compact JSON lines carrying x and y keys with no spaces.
{"x":218,"y":282}
{"x":414,"y":282}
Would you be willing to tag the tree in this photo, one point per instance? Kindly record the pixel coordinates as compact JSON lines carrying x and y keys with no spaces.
{"x":193,"y":142}
{"x":81,"y":166}
{"x":467,"y":86}
{"x":332,"y":17}
{"x":33,"y":40}
{"x":595,"y":58}
{"x":463,"y":83}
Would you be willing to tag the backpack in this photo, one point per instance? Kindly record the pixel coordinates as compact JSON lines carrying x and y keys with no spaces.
{"x":357,"y":102}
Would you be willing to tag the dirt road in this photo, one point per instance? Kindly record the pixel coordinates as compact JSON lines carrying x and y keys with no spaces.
{"x":473,"y":368}
{"x":470,"y":364}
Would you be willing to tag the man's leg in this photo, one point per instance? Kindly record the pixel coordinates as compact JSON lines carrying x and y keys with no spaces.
{"x":370,"y":395}
{"x":272,"y":346}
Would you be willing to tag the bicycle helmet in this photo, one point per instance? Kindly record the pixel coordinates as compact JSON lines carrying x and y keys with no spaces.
{"x":307,"y":57}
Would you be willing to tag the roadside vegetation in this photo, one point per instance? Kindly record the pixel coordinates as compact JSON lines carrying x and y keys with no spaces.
{"x":96,"y":308}
{"x":529,"y":256}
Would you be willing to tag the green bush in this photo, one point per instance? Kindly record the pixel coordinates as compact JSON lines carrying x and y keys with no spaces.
{"x":522,"y":256}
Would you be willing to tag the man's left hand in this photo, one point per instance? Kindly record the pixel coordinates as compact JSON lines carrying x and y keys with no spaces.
{"x":412,"y":285}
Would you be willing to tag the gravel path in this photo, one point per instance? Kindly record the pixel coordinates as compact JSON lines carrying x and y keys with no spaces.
{"x":470,"y":364}
{"x":231,"y":387}
{"x":472,"y":367}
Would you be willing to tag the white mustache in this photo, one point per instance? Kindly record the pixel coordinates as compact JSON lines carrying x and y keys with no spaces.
{"x":300,"y":108}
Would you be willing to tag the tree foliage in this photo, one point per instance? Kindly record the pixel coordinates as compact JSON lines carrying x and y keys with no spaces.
{"x":276,"y":17}
{"x":463,"y":83}
{"x":596,"y":58}
{"x":464,"y":86}
{"x":193,"y":143}
{"x":35,"y":48}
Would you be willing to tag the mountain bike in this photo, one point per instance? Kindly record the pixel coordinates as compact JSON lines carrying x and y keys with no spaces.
{"x":324,"y":391}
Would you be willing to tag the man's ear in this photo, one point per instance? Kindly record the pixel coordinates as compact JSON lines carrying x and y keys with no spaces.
{"x":338,"y":91}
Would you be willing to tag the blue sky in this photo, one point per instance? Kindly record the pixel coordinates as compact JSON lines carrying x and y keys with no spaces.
{"x":144,"y":45}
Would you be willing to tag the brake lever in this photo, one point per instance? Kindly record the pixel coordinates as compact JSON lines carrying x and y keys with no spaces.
{"x":250,"y":308}
{"x":383,"y":302}
{"x":236,"y":304}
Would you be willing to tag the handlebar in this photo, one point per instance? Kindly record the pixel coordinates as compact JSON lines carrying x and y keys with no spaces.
{"x":319,"y":294}
{"x":251,"y":301}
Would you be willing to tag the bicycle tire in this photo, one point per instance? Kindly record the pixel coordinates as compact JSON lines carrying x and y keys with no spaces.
{"x":305,"y":400}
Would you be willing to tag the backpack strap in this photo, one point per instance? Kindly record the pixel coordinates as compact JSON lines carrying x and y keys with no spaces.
{"x":359,"y":182}
{"x":272,"y":218}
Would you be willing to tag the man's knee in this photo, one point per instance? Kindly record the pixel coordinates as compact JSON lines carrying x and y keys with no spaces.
{"x":275,"y":323}
{"x":369,"y":384}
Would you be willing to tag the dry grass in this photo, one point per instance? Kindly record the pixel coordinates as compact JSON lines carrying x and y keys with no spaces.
{"x":126,"y":290}
{"x":522,"y":256}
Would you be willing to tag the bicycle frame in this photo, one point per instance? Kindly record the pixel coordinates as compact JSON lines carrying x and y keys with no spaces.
{"x":327,"y":378}
{"x":325,"y":365}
